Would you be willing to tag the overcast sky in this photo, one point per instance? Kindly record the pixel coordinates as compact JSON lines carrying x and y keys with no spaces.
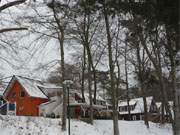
{"x":28,"y":57}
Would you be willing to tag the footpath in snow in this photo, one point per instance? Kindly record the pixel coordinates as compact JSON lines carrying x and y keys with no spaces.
{"x":12,"y":125}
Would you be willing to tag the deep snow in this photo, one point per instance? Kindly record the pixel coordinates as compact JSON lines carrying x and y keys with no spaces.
{"x":12,"y":125}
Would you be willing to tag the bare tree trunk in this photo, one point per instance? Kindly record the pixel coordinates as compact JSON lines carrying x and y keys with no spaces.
{"x":162,"y":111}
{"x":127,"y":83}
{"x":86,"y":44}
{"x":95,"y":84}
{"x":176,"y":107}
{"x":83,"y":72}
{"x":111,"y":66}
{"x":89,"y":81}
{"x":93,"y":69}
{"x":165,"y":97}
{"x":176,"y":90}
{"x":172,"y":56}
{"x":176,"y":121}
{"x":118,"y":79}
{"x":141,"y":80}
{"x":61,"y":43}
{"x":157,"y":66}
{"x":90,"y":93}
{"x":64,"y":113}
{"x":145,"y":107}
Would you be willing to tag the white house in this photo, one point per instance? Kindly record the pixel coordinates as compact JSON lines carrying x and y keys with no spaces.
{"x":136,"y":108}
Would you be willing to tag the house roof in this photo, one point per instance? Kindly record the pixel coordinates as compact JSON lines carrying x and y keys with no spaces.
{"x":86,"y":95}
{"x":31,"y":86}
{"x":138,"y":102}
{"x":87,"y":105}
{"x":131,"y":102}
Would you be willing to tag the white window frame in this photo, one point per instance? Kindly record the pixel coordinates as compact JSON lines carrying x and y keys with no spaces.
{"x":11,"y":112}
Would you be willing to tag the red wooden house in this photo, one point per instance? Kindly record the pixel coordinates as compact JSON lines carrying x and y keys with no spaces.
{"x":24,"y":96}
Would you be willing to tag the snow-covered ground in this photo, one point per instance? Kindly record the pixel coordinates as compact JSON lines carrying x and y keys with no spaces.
{"x":11,"y":125}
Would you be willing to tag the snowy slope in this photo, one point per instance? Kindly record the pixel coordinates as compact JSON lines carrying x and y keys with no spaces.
{"x":133,"y":128}
{"x":11,"y":125}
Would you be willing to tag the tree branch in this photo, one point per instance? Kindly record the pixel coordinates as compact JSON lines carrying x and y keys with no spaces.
{"x":12,"y":29}
{"x":10,"y":4}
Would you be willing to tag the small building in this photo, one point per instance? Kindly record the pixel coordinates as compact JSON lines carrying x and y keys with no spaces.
{"x":24,"y":95}
{"x":137,"y":109}
{"x":29,"y":97}
{"x":52,"y":108}
{"x":76,"y":102}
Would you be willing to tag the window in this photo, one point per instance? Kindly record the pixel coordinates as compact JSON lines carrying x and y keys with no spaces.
{"x":22,"y":94}
{"x":134,"y":117}
{"x":123,"y":108}
{"x":11,"y":107}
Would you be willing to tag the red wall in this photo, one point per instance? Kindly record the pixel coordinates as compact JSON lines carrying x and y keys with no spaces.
{"x":25,"y":106}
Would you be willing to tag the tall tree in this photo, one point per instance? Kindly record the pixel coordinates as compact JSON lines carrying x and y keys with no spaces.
{"x":141,"y":75}
{"x":61,"y":23}
{"x":127,"y":82}
{"x":111,"y":66}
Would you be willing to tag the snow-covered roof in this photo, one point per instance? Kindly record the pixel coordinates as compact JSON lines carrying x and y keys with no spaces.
{"x":33,"y":87}
{"x":138,"y":102}
{"x":87,"y":105}
{"x":86,"y":95}
{"x":124,"y":103}
{"x":47,"y":90}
